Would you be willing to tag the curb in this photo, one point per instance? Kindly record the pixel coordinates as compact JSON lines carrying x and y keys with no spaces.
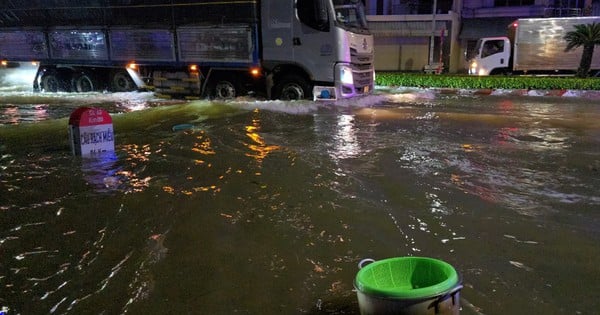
{"x":589,"y":94}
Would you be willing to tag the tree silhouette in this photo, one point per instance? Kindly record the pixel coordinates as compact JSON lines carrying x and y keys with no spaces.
{"x":588,"y":36}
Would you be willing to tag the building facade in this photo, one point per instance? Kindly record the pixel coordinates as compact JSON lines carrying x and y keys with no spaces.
{"x":411,"y":35}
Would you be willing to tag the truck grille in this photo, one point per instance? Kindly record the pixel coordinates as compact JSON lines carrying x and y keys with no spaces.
{"x":362,"y":79}
{"x":363,"y":70}
{"x":360,"y":59}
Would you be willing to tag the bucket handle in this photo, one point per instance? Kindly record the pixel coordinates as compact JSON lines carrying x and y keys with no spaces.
{"x":456,"y":289}
{"x":364,"y":262}
{"x":451,"y":294}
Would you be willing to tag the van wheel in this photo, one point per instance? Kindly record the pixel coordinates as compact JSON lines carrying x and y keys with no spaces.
{"x":120,"y":81}
{"x":293,"y":87}
{"x":84,"y":82}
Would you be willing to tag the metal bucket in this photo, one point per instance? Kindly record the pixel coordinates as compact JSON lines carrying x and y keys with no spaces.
{"x":407,"y":285}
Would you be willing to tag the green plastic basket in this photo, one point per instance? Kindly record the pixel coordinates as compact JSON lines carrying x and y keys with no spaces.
{"x":406,"y":278}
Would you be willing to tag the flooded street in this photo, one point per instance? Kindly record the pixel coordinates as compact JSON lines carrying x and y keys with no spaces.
{"x":266,"y":207}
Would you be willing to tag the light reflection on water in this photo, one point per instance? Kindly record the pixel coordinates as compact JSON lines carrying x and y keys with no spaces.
{"x":13,"y":114}
{"x":266,"y":207}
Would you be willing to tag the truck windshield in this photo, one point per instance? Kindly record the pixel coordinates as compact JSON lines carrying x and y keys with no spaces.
{"x":350,"y":14}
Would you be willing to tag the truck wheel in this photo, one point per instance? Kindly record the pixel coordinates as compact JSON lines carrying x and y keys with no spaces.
{"x":121,"y":82}
{"x":224,"y":89}
{"x":53,"y":82}
{"x":293,"y":87}
{"x":84,"y":82}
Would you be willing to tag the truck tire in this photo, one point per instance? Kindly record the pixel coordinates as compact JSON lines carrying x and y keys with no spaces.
{"x":53,"y":82}
{"x":293,"y":87}
{"x":84,"y":82}
{"x":120,"y":81}
{"x":224,"y":89}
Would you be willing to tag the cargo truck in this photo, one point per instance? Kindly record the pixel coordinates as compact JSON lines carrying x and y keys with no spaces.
{"x":284,"y":49}
{"x":533,"y":46}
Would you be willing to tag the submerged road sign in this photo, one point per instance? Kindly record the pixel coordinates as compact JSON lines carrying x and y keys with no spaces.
{"x":91,"y":131}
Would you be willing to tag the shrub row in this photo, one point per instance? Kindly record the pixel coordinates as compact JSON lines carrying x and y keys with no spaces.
{"x":398,"y":79}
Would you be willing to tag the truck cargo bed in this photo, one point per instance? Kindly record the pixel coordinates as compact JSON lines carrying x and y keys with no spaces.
{"x":539,"y":44}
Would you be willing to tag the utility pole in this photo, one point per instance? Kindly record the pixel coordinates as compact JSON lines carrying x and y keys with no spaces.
{"x":432,"y":40}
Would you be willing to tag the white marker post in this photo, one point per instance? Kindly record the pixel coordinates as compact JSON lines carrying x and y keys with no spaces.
{"x":91,"y":131}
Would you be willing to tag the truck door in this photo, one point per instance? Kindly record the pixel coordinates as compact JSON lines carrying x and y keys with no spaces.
{"x":315,"y":42}
{"x":298,"y":32}
{"x":495,"y":54}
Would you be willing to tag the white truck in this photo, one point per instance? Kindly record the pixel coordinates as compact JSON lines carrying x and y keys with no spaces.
{"x":286,"y":49}
{"x":533,"y":46}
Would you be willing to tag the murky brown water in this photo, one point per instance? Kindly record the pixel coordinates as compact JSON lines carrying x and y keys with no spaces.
{"x":267,"y":207}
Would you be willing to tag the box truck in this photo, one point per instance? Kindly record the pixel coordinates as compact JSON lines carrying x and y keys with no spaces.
{"x":533,"y":46}
{"x":286,"y":49}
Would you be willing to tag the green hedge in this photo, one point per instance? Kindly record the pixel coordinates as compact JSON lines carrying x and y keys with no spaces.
{"x":397,"y":79}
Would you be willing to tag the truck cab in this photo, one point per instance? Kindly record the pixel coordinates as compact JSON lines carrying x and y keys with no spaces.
{"x":492,"y":56}
{"x":317,"y":48}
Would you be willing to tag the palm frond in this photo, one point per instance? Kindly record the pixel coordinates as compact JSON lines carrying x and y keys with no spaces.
{"x":584,"y":34}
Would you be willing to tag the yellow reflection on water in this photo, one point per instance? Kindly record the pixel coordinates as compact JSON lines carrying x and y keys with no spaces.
{"x":258,"y":146}
{"x":204,"y":144}
{"x":136,"y":154}
{"x":168,"y":189}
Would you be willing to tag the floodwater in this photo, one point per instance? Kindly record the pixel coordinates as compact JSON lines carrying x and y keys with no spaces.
{"x":266,"y":207}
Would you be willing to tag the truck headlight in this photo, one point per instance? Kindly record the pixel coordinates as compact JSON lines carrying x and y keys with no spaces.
{"x":346,"y":75}
{"x":473,"y":68}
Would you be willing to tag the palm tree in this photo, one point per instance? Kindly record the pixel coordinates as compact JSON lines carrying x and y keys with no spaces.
{"x":586,"y":35}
